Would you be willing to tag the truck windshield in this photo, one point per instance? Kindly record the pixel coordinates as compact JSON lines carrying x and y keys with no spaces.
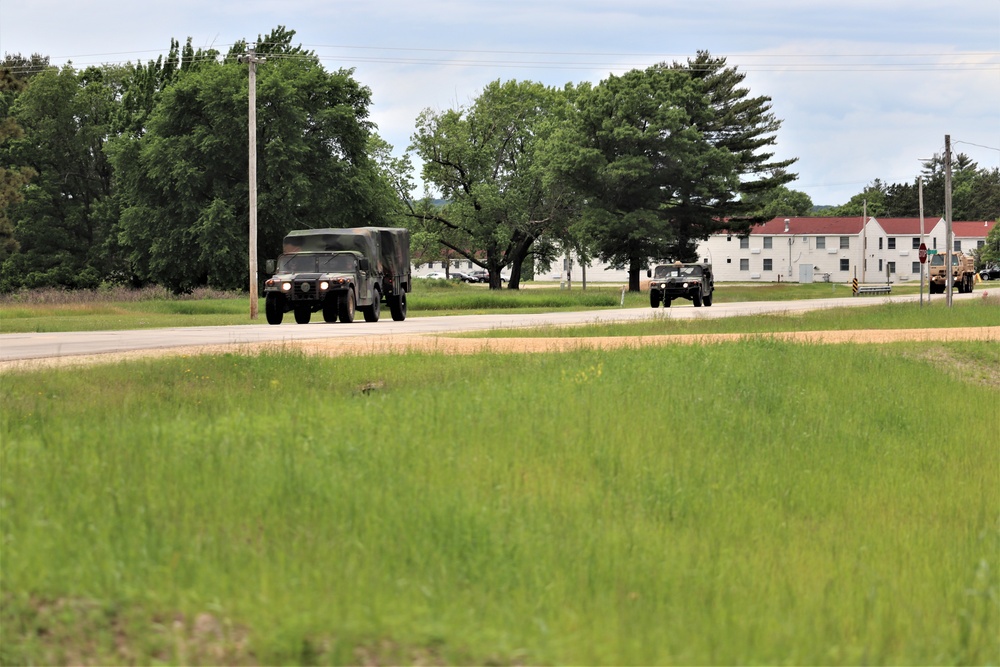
{"x":937,"y":260}
{"x":315,"y":263}
{"x":677,"y":271}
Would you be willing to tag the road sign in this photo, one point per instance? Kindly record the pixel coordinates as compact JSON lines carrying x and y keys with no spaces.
{"x":932,"y":252}
{"x":923,"y":253}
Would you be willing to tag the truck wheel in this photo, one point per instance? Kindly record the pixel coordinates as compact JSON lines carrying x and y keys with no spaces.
{"x":302,"y":314}
{"x":330,"y":309}
{"x":346,"y":308}
{"x":666,"y":302}
{"x":274,"y":308}
{"x":397,"y":306}
{"x":697,"y":299}
{"x":708,"y":299}
{"x":654,"y":298}
{"x":373,"y":311}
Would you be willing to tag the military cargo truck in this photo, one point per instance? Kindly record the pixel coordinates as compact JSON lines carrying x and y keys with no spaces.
{"x":337,"y":272}
{"x":693,"y":282}
{"x":963,"y":273}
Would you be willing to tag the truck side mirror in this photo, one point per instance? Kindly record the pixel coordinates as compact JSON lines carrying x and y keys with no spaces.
{"x":649,"y":273}
{"x":364,"y":265}
{"x":270,"y":265}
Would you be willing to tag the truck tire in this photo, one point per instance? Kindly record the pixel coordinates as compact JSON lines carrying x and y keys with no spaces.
{"x":697,"y":299}
{"x":302,"y":313}
{"x":397,"y":306}
{"x":346,"y":307}
{"x":330,"y":309}
{"x":708,"y":299}
{"x":373,"y":311}
{"x":654,"y":298}
{"x":666,"y":302}
{"x":274,"y":308}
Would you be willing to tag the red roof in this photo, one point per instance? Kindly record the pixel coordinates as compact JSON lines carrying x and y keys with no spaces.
{"x":905,"y":225}
{"x":812,"y":226}
{"x":972,"y":230}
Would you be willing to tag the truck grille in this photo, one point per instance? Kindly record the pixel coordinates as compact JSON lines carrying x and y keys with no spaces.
{"x":305,"y":289}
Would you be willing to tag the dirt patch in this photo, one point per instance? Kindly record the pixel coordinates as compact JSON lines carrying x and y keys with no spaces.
{"x":437,"y":344}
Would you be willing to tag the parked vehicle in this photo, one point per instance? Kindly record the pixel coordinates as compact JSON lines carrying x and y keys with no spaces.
{"x":339,"y":271}
{"x":480,"y":276}
{"x":962,"y":270}
{"x":990,"y":272}
{"x":435,"y":275}
{"x":693,"y":282}
{"x":464,"y":277}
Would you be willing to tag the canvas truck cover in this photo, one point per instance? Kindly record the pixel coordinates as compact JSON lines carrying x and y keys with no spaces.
{"x":359,"y":239}
{"x":395,"y":250}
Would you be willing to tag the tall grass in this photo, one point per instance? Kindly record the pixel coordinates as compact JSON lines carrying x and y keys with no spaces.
{"x":755,"y":502}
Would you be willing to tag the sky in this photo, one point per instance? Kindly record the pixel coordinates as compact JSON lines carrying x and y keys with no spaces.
{"x":865,"y":89}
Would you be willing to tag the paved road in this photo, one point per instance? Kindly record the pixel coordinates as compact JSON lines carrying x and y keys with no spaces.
{"x":15,"y":347}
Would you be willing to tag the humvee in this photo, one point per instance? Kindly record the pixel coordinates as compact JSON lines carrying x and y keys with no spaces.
{"x":339,"y":271}
{"x":693,"y":282}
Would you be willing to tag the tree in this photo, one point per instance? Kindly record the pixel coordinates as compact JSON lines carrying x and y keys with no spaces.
{"x":14,"y":178}
{"x":650,"y":179}
{"x":990,"y":252}
{"x":59,"y":222}
{"x":745,"y":126}
{"x":183,"y":174}
{"x":777,"y":202}
{"x":484,"y":162}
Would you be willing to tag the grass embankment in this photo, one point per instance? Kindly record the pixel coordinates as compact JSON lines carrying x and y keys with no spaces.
{"x":752,"y":502}
{"x":53,"y":311}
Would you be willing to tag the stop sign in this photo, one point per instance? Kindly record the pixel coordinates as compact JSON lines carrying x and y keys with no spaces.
{"x":923,"y":253}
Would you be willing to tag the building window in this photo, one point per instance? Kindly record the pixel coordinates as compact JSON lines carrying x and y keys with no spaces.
{"x":744,"y":243}
{"x":980,"y":244}
{"x":744,"y":265}
{"x":915,"y":268}
{"x":767,"y":264}
{"x":729,"y":260}
{"x":880,"y":266}
{"x":890,"y":268}
{"x":892,"y":243}
{"x":916,"y":243}
{"x":845,"y":242}
{"x":729,"y":237}
{"x":845,"y":265}
{"x":768,"y":240}
{"x":880,"y":243}
{"x":934,"y":244}
{"x":820,"y":243}
{"x":958,"y":246}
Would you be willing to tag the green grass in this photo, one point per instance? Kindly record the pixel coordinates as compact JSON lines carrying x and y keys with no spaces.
{"x":752,"y":502}
{"x":898,"y":315}
{"x":51,"y":311}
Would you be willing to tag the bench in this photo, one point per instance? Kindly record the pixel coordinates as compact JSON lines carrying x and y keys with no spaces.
{"x":874,"y":289}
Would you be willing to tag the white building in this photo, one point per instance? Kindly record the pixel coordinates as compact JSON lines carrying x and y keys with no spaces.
{"x":809,"y":249}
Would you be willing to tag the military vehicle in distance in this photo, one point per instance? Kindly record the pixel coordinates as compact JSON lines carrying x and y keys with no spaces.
{"x":963,"y":273}
{"x":339,"y":271}
{"x":681,"y":281}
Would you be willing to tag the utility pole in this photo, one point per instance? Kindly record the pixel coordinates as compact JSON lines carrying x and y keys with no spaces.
{"x":920,"y":196}
{"x":252,"y":59}
{"x":949,"y":242}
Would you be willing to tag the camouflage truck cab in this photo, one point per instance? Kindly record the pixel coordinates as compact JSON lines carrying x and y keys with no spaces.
{"x":694,"y":282}
{"x":339,"y":271}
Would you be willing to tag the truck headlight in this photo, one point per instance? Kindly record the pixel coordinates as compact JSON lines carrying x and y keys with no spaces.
{"x":324,"y":286}
{"x":685,"y":285}
{"x":663,"y":286}
{"x":286,"y":287}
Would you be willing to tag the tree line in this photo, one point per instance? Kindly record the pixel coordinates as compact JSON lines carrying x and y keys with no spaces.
{"x":138,"y":174}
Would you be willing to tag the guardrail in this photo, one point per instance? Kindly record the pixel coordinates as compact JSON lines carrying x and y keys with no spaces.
{"x":874,"y":289}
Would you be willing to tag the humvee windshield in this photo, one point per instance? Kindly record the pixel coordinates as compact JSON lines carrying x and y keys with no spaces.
{"x":677,"y":271}
{"x":309,"y":263}
{"x":937,"y":260}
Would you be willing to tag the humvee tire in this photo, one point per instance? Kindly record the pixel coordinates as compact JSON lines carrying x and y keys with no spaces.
{"x":330,"y":309}
{"x":274,"y":308}
{"x":373,"y":311}
{"x":303,"y":314}
{"x":707,"y":300}
{"x":654,"y":298}
{"x":697,"y":298}
{"x":346,"y":307}
{"x":397,"y":306}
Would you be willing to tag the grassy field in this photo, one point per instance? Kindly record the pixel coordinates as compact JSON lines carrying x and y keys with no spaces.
{"x":742,"y":503}
{"x":48,"y":311}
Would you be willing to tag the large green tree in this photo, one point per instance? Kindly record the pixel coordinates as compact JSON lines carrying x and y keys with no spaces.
{"x":633,"y":150}
{"x":184,"y":179}
{"x":60,"y":222}
{"x":484,"y":161}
